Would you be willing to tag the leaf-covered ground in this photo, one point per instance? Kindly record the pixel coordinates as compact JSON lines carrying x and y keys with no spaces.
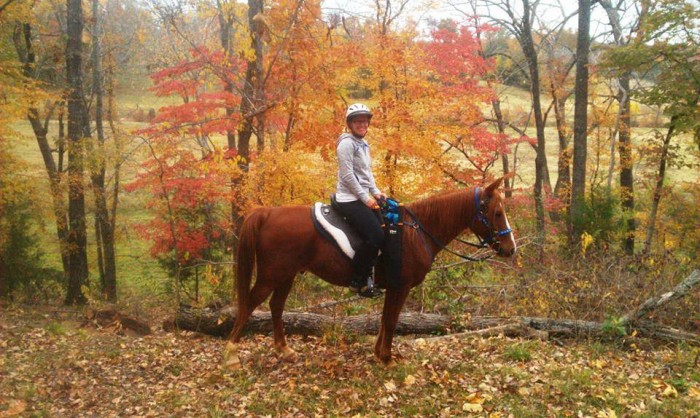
{"x":50,"y":366}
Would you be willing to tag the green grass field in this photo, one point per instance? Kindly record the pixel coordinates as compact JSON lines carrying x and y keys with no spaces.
{"x":139,"y":274}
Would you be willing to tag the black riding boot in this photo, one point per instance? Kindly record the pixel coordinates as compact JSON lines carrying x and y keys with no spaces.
{"x":365,"y":287}
{"x":362,"y":282}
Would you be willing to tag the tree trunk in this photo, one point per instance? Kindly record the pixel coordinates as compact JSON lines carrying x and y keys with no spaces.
{"x":225,"y":28}
{"x":521,"y":28}
{"x":562,"y":189}
{"x":578,"y":178}
{"x":528,"y":47}
{"x":501,"y":125}
{"x":97,"y":168}
{"x":624,"y":132}
{"x":626,"y":163}
{"x":225,"y":36}
{"x":103,"y":227}
{"x":25,"y":51}
{"x":78,"y":130}
{"x":3,"y":284}
{"x":258,"y":29}
{"x":660,"y":177}
{"x":496,"y":105}
{"x":251,"y":86}
{"x":116,"y":135}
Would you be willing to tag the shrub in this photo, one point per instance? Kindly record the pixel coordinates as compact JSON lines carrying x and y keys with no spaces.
{"x":20,"y":253}
{"x":600,"y":217}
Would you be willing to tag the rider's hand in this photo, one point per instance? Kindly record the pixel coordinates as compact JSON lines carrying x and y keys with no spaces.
{"x":372,"y":204}
{"x":380,"y":196}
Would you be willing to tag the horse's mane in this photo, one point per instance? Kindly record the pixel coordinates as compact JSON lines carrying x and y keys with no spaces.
{"x":450,"y":208}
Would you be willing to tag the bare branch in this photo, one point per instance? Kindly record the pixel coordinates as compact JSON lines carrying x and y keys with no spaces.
{"x":4,"y":6}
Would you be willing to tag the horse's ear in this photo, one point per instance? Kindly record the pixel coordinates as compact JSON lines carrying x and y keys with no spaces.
{"x":497,"y":183}
{"x":493,"y":186}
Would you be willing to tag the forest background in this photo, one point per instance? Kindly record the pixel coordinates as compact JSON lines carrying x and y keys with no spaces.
{"x":134,"y":135}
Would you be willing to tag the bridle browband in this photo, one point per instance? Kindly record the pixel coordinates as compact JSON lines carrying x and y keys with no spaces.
{"x":481,"y":207}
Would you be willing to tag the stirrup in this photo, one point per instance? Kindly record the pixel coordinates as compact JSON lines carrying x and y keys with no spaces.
{"x":370,"y":292}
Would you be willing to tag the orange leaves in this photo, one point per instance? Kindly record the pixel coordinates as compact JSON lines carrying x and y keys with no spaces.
{"x":426,"y":96}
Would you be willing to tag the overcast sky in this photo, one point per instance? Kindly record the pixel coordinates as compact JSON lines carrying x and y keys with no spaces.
{"x":550,"y":12}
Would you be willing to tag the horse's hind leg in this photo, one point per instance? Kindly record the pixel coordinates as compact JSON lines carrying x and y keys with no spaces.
{"x":258,"y":294}
{"x":279,"y":297}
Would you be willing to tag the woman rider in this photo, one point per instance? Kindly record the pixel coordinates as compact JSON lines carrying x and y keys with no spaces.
{"x":357,"y":196}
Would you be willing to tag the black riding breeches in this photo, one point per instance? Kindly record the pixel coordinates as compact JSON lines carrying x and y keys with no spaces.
{"x":366,"y":223}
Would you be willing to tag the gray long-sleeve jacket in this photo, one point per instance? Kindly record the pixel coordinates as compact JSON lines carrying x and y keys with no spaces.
{"x":355,"y":178}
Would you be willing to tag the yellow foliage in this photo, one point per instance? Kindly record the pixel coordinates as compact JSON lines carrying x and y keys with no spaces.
{"x":586,"y":241}
{"x":284,"y":178}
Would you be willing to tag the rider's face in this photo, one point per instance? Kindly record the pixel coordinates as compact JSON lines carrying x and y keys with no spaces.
{"x":359,"y":126}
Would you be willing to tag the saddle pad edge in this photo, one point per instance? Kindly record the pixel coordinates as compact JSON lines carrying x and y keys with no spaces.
{"x":337,"y":234}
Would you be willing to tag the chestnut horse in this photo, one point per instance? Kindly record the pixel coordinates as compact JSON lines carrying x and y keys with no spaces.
{"x":285,"y":242}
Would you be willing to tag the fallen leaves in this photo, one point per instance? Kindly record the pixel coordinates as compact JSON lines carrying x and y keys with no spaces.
{"x":473,"y":403}
{"x":607,"y":413}
{"x":667,"y":390}
{"x":15,"y":407}
{"x":179,"y":374}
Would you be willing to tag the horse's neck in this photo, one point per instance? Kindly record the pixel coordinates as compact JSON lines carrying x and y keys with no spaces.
{"x":445,"y":216}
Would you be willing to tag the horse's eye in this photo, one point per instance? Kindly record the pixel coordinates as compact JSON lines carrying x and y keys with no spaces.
{"x":499,"y":214}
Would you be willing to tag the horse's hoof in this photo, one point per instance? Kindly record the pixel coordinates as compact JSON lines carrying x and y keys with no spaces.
{"x":389,"y":363}
{"x":230,"y":360}
{"x":231,"y":364}
{"x":287,"y":354}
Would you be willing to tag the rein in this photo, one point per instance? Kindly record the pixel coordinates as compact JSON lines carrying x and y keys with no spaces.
{"x":481,"y":206}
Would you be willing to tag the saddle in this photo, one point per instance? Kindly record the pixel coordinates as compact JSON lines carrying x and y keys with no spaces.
{"x":331,"y":224}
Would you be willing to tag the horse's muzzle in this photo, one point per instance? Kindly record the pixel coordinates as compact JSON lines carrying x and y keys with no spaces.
{"x":504,"y":252}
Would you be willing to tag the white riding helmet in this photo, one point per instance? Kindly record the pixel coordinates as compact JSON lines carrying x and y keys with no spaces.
{"x":357,"y":109}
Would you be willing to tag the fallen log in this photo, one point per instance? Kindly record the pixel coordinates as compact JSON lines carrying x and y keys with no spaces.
{"x":654,"y":303}
{"x":655,"y":331}
{"x":219,"y":322}
{"x":511,"y":329}
{"x":575,"y":328}
{"x":543,"y":328}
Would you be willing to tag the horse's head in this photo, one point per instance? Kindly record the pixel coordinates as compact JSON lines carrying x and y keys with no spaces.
{"x":490,"y":221}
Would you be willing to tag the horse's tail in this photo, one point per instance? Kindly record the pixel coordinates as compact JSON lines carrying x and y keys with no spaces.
{"x":245,"y":262}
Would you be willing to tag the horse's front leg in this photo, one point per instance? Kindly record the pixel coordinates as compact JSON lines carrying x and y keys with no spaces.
{"x":393,"y":302}
{"x":277,"y":301}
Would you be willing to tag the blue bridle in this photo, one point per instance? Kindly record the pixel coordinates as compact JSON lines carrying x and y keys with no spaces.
{"x":482,"y":206}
